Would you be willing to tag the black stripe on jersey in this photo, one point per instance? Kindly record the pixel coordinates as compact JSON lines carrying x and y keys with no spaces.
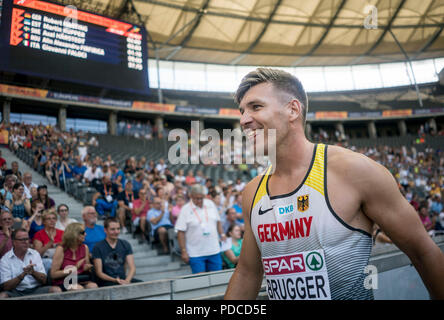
{"x":328,"y":201}
{"x":302,"y":183}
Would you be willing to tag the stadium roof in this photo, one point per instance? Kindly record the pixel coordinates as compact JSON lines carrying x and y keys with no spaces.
{"x":283,"y":32}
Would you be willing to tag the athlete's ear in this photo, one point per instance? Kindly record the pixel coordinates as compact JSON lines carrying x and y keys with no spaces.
{"x":295,"y":109}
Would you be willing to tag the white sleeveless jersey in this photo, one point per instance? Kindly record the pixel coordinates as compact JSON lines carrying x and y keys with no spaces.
{"x":308,"y":251}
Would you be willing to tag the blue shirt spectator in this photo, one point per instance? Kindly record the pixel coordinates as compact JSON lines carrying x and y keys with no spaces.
{"x":94,"y":235}
{"x":117,"y":176}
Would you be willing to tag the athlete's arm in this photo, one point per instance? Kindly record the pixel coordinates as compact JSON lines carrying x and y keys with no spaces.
{"x":246,"y":280}
{"x":384,"y":204}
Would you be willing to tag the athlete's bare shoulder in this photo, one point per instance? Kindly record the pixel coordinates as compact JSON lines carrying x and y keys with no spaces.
{"x":356,"y":169}
{"x":350,"y":163}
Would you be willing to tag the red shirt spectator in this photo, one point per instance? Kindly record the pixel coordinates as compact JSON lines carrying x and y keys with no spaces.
{"x":42,"y":236}
{"x":136,"y":205}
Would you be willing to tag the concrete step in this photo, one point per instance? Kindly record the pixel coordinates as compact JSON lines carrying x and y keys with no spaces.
{"x":171,"y":274}
{"x":153,"y":260}
{"x":158,"y":268}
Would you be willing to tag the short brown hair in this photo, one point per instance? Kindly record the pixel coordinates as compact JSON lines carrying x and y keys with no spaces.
{"x":280,"y":79}
{"x":109,"y":220}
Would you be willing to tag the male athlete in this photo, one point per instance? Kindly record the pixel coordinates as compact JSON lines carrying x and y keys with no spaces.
{"x":308,"y":223}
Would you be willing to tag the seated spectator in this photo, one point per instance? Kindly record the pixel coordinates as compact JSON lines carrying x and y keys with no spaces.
{"x":64,"y":220}
{"x":190,"y":179}
{"x":125,"y":202}
{"x":43,"y":197}
{"x":159,"y":218}
{"x":106,"y":171}
{"x":239,"y":185}
{"x":180,"y":177}
{"x":6,"y":224}
{"x":233,"y":246}
{"x":46,"y":240}
{"x":2,"y":160}
{"x":229,"y":219}
{"x":6,"y":191}
{"x":21,"y":269}
{"x":138,"y":183}
{"x":130,"y":166}
{"x":139,"y":212}
{"x":28,"y":184}
{"x":35,"y":223}
{"x":106,"y":198}
{"x":72,"y":253}
{"x":238,"y":207}
{"x":180,"y":202}
{"x":79,"y":169}
{"x":425,"y":218}
{"x":15,"y":171}
{"x":19,"y":206}
{"x":436,"y":206}
{"x":117,"y":175}
{"x":38,"y":154}
{"x":93,"y":175}
{"x":94,"y":232}
{"x":111,"y":255}
{"x":161,"y":166}
{"x":65,"y":171}
{"x":34,"y":194}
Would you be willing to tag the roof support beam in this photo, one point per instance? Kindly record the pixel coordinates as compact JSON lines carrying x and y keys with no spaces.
{"x":260,"y":35}
{"x":381,"y":37}
{"x":321,"y":39}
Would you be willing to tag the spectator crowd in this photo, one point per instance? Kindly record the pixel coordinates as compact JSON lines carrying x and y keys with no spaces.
{"x":42,"y":248}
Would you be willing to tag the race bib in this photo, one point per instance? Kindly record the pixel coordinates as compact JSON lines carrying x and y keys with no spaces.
{"x":298,"y":276}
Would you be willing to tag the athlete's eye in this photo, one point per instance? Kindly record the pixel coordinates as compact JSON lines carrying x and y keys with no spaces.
{"x":256,"y":106}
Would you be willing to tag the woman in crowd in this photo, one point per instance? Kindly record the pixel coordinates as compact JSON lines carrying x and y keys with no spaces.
{"x":180,"y":201}
{"x":72,"y":255}
{"x":48,"y":202}
{"x":231,"y":255}
{"x":35,"y":223}
{"x":64,"y":220}
{"x":19,"y":206}
{"x":46,"y":240}
{"x":6,"y":224}
{"x":425,"y":218}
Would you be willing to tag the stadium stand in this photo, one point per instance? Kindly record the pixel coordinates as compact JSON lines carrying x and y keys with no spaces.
{"x":375,"y":99}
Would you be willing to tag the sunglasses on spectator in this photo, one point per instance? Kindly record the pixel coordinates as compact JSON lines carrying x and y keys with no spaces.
{"x":82,"y":232}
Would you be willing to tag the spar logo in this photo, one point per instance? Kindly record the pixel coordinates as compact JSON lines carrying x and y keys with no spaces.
{"x":284,"y":265}
{"x":314,"y":261}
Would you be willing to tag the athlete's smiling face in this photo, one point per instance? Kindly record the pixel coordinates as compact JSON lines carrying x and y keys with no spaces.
{"x":264,"y":107}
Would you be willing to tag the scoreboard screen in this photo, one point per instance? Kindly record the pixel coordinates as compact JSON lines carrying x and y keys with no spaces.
{"x":60,"y":42}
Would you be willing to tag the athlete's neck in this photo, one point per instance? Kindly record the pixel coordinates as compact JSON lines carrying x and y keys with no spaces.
{"x":292,"y":155}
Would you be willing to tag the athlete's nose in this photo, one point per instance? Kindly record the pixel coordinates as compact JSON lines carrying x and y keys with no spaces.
{"x":245,"y":119}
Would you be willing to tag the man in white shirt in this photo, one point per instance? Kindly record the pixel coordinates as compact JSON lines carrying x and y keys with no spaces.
{"x":93,"y":173}
{"x":21,"y":269}
{"x":198,"y":228}
{"x":28,"y":184}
